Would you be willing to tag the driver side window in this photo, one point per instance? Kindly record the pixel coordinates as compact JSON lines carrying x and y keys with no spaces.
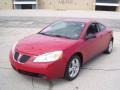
{"x":93,"y":29}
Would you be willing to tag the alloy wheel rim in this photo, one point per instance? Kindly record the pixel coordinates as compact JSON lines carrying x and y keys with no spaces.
{"x":110,"y":46}
{"x":74,"y":67}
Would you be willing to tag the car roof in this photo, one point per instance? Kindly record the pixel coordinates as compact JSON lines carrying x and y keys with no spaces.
{"x":85,"y":20}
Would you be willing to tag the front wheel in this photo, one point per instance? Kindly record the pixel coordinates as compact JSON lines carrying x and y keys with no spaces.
{"x":110,"y":47}
{"x":73,"y":68}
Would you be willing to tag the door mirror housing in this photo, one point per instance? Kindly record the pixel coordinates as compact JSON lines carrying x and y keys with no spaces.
{"x":90,"y":36}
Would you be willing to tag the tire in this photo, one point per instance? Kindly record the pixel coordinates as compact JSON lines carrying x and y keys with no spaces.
{"x":110,"y":47}
{"x":72,"y":68}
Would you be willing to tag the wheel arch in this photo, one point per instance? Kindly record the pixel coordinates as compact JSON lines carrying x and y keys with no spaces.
{"x":80,"y":55}
{"x":81,"y":61}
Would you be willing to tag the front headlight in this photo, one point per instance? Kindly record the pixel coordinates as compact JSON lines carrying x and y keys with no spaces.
{"x":13,"y":48}
{"x":48,"y":57}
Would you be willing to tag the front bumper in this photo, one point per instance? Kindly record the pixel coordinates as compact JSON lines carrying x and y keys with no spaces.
{"x":48,"y":70}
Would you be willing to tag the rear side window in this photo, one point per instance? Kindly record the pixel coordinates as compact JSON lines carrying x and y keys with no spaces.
{"x":101,"y":27}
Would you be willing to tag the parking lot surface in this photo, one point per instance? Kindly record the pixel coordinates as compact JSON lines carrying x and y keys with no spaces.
{"x":37,"y":22}
{"x":101,"y":73}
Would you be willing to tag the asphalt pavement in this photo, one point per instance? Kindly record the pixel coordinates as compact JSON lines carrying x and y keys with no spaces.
{"x":37,"y":22}
{"x":101,"y":73}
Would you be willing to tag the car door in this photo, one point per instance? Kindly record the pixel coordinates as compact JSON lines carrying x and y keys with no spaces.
{"x":105,"y":35}
{"x":92,"y":46}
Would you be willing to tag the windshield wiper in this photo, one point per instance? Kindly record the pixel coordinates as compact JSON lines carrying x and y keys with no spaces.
{"x":45,"y":34}
{"x":55,"y":35}
{"x":62,"y":36}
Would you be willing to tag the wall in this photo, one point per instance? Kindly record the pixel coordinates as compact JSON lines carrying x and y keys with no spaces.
{"x":6,"y":4}
{"x":118,"y":8}
{"x":67,"y":4}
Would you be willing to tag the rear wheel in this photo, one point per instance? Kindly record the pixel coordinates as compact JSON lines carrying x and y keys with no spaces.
{"x":110,"y":47}
{"x":73,"y":68}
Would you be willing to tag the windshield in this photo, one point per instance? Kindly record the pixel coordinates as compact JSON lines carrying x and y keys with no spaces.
{"x":64,"y":29}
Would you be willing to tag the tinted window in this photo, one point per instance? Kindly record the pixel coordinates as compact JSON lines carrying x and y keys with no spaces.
{"x":64,"y":29}
{"x":101,"y":27}
{"x":92,"y":29}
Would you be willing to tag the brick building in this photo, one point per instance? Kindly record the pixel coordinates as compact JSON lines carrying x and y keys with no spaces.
{"x":104,"y":5}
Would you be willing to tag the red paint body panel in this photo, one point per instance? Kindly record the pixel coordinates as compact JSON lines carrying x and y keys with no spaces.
{"x":36,"y":44}
{"x":42,"y":44}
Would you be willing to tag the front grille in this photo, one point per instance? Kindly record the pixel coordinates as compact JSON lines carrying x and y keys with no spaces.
{"x":16,"y":55}
{"x":21,"y":58}
{"x":24,"y":58}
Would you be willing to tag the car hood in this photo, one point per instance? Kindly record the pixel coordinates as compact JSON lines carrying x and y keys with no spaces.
{"x":38,"y":44}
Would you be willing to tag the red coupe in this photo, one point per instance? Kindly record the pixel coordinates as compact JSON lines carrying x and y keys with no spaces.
{"x":60,"y":49}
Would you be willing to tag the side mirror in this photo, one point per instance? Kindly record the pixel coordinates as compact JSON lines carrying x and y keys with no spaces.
{"x":90,"y":36}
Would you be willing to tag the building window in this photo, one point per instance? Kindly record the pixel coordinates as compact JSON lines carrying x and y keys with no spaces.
{"x":107,"y":5}
{"x":107,"y":1}
{"x":25,"y":4}
{"x":106,"y":8}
